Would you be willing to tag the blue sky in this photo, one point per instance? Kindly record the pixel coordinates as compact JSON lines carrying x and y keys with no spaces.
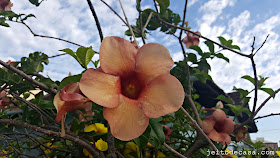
{"x":239,"y":20}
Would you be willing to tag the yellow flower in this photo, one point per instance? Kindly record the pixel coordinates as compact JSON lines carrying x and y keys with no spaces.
{"x":229,"y":154}
{"x":101,"y":145}
{"x":159,"y":155}
{"x":149,"y":144}
{"x":86,"y":153}
{"x":3,"y":152}
{"x":278,"y":153}
{"x":97,"y":127}
{"x":48,"y":151}
{"x":130,"y":147}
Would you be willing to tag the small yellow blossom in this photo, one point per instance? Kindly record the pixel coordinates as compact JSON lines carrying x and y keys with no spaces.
{"x":130,"y":147}
{"x":229,"y":154}
{"x":48,"y":151}
{"x":3,"y":152}
{"x":101,"y":145}
{"x":97,"y":127}
{"x":86,"y":153}
{"x":159,"y":155}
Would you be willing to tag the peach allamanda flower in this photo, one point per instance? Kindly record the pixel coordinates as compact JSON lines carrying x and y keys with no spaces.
{"x":239,"y":134}
{"x":218,"y":127}
{"x":68,"y":99}
{"x":132,"y":85}
{"x":3,"y":100}
{"x":191,"y":39}
{"x":5,"y":5}
{"x":167,"y":131}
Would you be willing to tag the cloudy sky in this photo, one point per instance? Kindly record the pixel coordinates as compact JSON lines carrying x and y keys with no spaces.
{"x":233,"y":19}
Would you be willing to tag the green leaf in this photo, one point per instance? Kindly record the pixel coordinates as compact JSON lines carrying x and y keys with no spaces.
{"x":142,"y":140}
{"x":210,"y":46}
{"x":157,"y":136}
{"x":220,"y":55}
{"x":223,"y":98}
{"x":95,"y":63}
{"x":84,"y":55}
{"x":28,"y":16}
{"x":249,"y":78}
{"x":192,"y":57}
{"x":235,"y":47}
{"x":164,"y":4}
{"x":70,"y":52}
{"x":223,"y":41}
{"x":243,"y":93}
{"x":69,"y":80}
{"x":3,"y":23}
{"x":238,"y":109}
{"x":269,"y":91}
{"x":197,"y":48}
{"x":35,"y":2}
{"x":90,"y":53}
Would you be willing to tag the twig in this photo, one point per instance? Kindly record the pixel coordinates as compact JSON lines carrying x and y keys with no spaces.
{"x":256,"y":85}
{"x":253,"y":48}
{"x":147,"y":22}
{"x":256,"y":112}
{"x":82,"y":143}
{"x":43,"y":36}
{"x":201,"y":131}
{"x":34,"y":107}
{"x":28,"y":78}
{"x":115,"y":12}
{"x":261,"y":45}
{"x":272,"y":114}
{"x":140,"y":24}
{"x":174,"y":151}
{"x":266,"y":100}
{"x":96,"y":19}
{"x":224,"y":47}
{"x":111,"y":146}
{"x":131,"y":30}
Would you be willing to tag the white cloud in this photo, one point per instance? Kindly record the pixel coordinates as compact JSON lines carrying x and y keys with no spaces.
{"x":192,"y":2}
{"x":213,"y":8}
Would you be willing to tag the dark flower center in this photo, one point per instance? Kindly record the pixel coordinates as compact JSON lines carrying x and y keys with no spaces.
{"x":219,"y":126}
{"x":131,"y":85}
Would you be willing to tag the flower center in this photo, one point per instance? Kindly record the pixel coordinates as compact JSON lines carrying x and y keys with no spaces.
{"x":131,"y":86}
{"x":219,"y":127}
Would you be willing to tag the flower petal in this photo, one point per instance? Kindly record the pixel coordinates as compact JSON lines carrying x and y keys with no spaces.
{"x":90,"y":128}
{"x":101,"y":88}
{"x":71,"y":96}
{"x":162,"y":96}
{"x":219,"y":137}
{"x":152,"y":60}
{"x":69,"y":106}
{"x":228,"y":126}
{"x":117,"y":56}
{"x":219,"y":115}
{"x":208,"y":124}
{"x":58,"y":102}
{"x":101,"y":145}
{"x":127,"y":121}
